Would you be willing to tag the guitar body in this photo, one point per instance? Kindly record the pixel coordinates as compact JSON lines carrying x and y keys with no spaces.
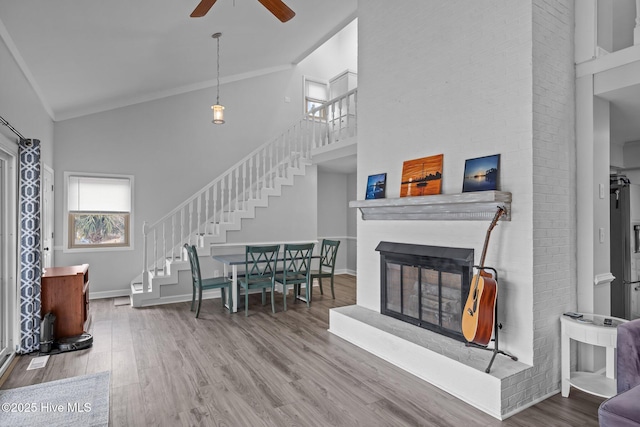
{"x":479,"y":314}
{"x":478,"y":317}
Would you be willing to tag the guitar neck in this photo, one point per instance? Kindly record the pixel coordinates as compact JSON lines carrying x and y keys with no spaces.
{"x":486,"y":239}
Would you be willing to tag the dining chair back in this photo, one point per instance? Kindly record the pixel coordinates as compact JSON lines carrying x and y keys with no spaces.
{"x":327,"y":265}
{"x":260,"y":271}
{"x":199,"y":284}
{"x":296,"y":271}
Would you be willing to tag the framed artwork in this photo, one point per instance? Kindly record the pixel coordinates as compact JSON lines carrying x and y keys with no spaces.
{"x":481,"y":174}
{"x":376,"y":185}
{"x":422,"y":177}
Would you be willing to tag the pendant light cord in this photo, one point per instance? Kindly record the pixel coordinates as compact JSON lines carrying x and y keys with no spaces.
{"x":218,"y":71}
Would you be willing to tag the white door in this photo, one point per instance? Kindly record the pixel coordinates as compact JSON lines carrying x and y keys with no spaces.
{"x":47,"y":217}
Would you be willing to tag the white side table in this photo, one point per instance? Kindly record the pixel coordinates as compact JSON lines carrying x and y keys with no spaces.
{"x":590,"y":329}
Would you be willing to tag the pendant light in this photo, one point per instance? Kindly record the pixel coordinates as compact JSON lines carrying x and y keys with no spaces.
{"x":218,"y":110}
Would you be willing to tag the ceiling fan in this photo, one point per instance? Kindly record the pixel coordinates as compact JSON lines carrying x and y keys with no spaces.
{"x":277,"y":7}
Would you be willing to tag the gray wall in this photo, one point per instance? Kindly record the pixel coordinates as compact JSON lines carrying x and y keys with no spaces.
{"x":173,"y":150}
{"x":336,"y":220}
{"x":21,"y":107}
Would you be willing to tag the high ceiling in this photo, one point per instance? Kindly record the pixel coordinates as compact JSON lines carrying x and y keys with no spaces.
{"x":84,"y":56}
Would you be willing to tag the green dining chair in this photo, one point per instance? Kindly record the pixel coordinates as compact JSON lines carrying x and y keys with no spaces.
{"x":200,"y":284}
{"x":327,"y":265}
{"x":260,"y":272}
{"x":296,"y":271}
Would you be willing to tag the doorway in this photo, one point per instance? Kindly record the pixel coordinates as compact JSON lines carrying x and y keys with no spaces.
{"x":624,"y":246}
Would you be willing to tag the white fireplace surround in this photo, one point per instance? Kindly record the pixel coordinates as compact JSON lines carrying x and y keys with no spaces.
{"x":439,"y":360}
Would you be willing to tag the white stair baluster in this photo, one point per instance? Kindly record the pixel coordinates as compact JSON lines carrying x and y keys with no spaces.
{"x":145,"y":266}
{"x":173,"y":236}
{"x":207,"y":198}
{"x":229,"y":185}
{"x":181,"y":229}
{"x":251,"y":195}
{"x":215,"y":208}
{"x":198,"y":219}
{"x":164,"y":247}
{"x":271,"y":166}
{"x":190,"y":229}
{"x":237,"y":175}
{"x":222,"y":194}
{"x":155,"y":252}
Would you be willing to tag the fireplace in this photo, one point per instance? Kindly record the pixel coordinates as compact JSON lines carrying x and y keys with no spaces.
{"x":425,"y":285}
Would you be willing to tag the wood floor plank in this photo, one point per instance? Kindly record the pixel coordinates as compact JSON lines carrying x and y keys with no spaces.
{"x":283,"y":369}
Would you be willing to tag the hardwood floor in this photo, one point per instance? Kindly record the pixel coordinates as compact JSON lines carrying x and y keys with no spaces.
{"x":168,"y":368}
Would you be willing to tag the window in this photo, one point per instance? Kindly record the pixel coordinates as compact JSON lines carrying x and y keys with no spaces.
{"x":315,"y":94}
{"x":98,"y":210}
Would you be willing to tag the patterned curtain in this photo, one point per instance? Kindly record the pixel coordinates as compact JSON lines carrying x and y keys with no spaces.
{"x":29,"y":223}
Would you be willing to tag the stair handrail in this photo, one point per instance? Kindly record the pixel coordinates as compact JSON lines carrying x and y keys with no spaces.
{"x":323,"y":115}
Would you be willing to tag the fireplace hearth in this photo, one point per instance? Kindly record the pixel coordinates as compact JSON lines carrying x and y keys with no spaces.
{"x":425,"y":285}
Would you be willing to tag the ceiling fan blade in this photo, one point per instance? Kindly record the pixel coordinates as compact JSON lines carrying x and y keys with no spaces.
{"x":202,"y":8}
{"x":279,"y":9}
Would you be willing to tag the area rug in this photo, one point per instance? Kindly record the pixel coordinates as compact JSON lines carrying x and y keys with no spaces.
{"x":78,"y":401}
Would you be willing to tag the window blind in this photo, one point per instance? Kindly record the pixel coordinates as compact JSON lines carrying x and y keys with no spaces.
{"x":99,"y":194}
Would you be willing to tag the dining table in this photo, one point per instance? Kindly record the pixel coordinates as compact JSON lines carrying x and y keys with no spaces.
{"x":230,"y":264}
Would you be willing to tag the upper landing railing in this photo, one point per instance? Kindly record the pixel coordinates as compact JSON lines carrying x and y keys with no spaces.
{"x":206,"y":212}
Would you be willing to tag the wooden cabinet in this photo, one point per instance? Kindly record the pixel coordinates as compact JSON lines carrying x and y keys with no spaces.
{"x":65,"y":293}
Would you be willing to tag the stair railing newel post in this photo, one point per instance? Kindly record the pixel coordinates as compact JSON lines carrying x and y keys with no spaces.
{"x":145,"y":266}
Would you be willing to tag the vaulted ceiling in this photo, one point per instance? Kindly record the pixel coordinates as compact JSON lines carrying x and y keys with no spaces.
{"x":84,"y":56}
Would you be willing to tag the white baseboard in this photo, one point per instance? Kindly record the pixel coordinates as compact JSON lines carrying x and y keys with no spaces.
{"x":109,"y":294}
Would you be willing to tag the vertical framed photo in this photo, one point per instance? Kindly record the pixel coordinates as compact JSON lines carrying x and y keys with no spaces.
{"x":481,"y":174}
{"x":376,"y":185}
{"x":422,"y":177}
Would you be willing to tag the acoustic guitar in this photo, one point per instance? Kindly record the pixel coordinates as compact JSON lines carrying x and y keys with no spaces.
{"x":478,"y":317}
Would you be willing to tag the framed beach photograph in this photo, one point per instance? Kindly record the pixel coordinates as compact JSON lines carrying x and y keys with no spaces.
{"x":422,"y":177}
{"x":376,"y":185}
{"x":481,"y":174}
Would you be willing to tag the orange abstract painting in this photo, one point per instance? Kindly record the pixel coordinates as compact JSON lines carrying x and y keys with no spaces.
{"x":422,"y":177}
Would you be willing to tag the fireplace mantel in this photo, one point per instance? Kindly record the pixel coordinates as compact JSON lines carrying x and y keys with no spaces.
{"x":478,"y":205}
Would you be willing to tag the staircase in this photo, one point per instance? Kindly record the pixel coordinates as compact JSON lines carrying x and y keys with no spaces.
{"x":206,"y":217}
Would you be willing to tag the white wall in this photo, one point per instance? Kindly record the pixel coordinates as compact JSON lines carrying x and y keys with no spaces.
{"x":457,"y":78}
{"x":631,"y":154}
{"x":21,"y":107}
{"x":352,"y":224}
{"x":450,"y":88}
{"x":336,"y":55}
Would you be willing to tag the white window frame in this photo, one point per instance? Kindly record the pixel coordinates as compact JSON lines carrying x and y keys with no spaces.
{"x":307,"y":98}
{"x":66,"y":248}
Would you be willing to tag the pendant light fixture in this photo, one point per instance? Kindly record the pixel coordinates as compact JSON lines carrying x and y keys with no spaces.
{"x":218,"y":110}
